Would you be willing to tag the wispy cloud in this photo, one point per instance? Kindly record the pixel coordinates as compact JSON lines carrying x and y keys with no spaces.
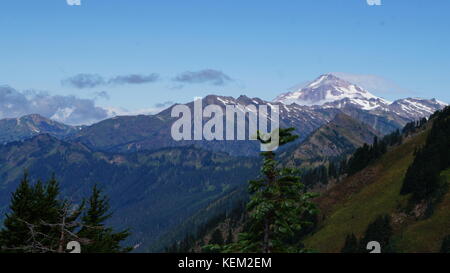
{"x":134,"y":79}
{"x":164,"y":104}
{"x":119,"y":111}
{"x":84,"y":80}
{"x":101,"y":95}
{"x":373,"y":83}
{"x":81,"y":81}
{"x":210,"y":76}
{"x":73,"y":2}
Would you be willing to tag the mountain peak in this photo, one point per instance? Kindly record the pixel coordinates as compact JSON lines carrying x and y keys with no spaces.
{"x":12,"y":129}
{"x":36,"y":118}
{"x":327,"y":78}
{"x":325,"y":89}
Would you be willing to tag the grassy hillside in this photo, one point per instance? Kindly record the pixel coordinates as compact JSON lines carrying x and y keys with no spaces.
{"x":350,"y":206}
{"x":426,"y":235}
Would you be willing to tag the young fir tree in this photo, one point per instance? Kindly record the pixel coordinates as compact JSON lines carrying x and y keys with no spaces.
{"x":216,"y":237}
{"x":101,"y":239}
{"x":15,"y":232}
{"x":380,"y":231}
{"x":351,"y":244}
{"x":37,"y":221}
{"x":30,"y":204}
{"x":445,"y":248}
{"x":229,"y":239}
{"x":277,"y":208}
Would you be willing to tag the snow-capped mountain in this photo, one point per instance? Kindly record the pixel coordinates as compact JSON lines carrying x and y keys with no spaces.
{"x":414,"y":108}
{"x":330,"y":91}
{"x":329,"y":88}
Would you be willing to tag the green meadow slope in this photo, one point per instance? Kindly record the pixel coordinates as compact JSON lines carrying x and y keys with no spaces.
{"x":426,"y":235}
{"x":351,"y":205}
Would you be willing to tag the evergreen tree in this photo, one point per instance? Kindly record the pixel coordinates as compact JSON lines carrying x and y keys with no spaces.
{"x":40,"y":222}
{"x":229,"y":239}
{"x":351,"y":244}
{"x":367,"y":154}
{"x":31,"y":205}
{"x":343,"y":168}
{"x":15,"y":232}
{"x":445,"y":248}
{"x":277,"y":208}
{"x":422,"y":177}
{"x":216,"y":238}
{"x":380,"y":231}
{"x":332,"y":170}
{"x":102,"y":239}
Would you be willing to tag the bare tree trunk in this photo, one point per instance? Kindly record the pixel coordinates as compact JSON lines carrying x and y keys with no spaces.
{"x":61,"y":238}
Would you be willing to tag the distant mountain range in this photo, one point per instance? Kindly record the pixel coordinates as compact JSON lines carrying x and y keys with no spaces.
{"x":14,"y":129}
{"x":306,"y":109}
{"x":156,"y":183}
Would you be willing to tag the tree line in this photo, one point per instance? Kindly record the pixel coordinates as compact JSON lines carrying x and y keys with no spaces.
{"x":234,"y":219}
{"x":359,"y":160}
{"x":422,"y":177}
{"x":380,"y":230}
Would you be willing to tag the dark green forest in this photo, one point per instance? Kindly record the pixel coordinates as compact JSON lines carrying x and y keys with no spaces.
{"x":422,"y":177}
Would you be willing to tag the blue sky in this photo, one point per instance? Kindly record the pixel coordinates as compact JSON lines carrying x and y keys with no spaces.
{"x":258,"y":48}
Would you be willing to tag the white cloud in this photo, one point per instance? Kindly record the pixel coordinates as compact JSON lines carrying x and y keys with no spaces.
{"x":63,"y":114}
{"x":374,"y":2}
{"x":74,"y":2}
{"x":118,"y":111}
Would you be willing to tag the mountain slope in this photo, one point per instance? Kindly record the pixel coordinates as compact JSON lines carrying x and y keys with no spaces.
{"x":426,"y":235}
{"x":151,"y":192}
{"x":136,"y":133}
{"x":338,"y":138}
{"x":14,"y":129}
{"x":350,"y":206}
